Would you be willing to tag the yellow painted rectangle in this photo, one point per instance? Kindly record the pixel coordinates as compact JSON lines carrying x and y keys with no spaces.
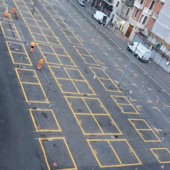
{"x":113,"y":151}
{"x":160,"y":157}
{"x":17,"y":70}
{"x":126,"y":102}
{"x":46,"y":152}
{"x":92,"y":115}
{"x":45,"y":113}
{"x":134,"y":123}
{"x":72,"y":81}
{"x":109,"y":79}
{"x":24,"y":52}
{"x":11,"y":30}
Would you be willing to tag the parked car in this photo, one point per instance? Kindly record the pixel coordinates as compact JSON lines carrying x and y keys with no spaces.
{"x":140,"y":51}
{"x":81,"y":2}
{"x":98,"y":16}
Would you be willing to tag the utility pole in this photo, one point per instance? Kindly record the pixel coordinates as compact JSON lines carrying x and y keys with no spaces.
{"x":68,"y":10}
{"x":35,"y":1}
{"x":131,"y":58}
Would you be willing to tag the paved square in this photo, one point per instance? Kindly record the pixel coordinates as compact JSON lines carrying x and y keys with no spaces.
{"x":55,"y":55}
{"x":108,"y":84}
{"x":28,"y":84}
{"x":86,"y":56}
{"x":18,"y":53}
{"x":108,"y":152}
{"x":44,"y":120}
{"x":124,"y":104}
{"x":92,"y":116}
{"x":144,"y":130}
{"x":161,"y":154}
{"x":56,"y":149}
{"x":69,"y":84}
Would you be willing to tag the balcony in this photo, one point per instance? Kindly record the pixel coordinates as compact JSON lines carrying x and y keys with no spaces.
{"x":162,"y":1}
{"x":155,"y":16}
{"x":140,"y":26}
{"x":129,"y":3}
{"x":138,"y":5}
{"x":147,"y":11}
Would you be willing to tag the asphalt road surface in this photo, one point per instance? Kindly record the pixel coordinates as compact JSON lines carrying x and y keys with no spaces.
{"x":71,"y":114}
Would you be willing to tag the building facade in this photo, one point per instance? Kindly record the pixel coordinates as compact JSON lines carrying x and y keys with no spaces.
{"x":118,"y":11}
{"x":144,"y":14}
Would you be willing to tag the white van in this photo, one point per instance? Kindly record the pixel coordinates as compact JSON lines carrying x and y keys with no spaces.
{"x":140,"y":51}
{"x":98,"y":15}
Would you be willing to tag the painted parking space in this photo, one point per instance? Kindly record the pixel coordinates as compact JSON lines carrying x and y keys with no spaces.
{"x":92,"y":116}
{"x":161,"y":154}
{"x":71,"y":80}
{"x":29,"y":80}
{"x":108,"y":153}
{"x":86,"y":55}
{"x":57,"y":149}
{"x":55,"y":55}
{"x":2,"y":10}
{"x":43,"y":35}
{"x":72,"y":38}
{"x":18,"y":53}
{"x":108,"y":84}
{"x":44,"y":120}
{"x":124,"y":104}
{"x":144,"y":130}
{"x":9,"y":31}
{"x":25,"y":11}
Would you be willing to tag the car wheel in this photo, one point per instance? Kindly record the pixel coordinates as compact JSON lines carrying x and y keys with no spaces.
{"x":92,"y":16}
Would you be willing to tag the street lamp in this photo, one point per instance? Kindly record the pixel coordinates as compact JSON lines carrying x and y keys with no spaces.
{"x":68,"y":10}
{"x":121,"y":79}
{"x":35,"y":1}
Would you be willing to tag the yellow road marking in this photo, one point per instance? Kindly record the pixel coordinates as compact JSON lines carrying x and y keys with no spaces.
{"x":148,"y":128}
{"x":45,"y":156}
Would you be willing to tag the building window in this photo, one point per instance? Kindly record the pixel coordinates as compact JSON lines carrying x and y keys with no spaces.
{"x":141,"y":2}
{"x":141,"y":18}
{"x":117,"y":4}
{"x":152,"y":4}
{"x":136,"y":13}
{"x":144,"y":20}
{"x":127,"y":12}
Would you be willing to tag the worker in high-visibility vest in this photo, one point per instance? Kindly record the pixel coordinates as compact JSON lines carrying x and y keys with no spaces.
{"x":13,"y":10}
{"x":40,"y":63}
{"x":32,"y":45}
{"x":6,"y":13}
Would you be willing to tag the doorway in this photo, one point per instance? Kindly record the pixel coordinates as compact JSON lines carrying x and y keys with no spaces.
{"x":129,"y":30}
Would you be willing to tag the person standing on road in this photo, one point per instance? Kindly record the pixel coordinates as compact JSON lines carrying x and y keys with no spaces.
{"x":6,"y":13}
{"x":13,"y":10}
{"x":40,"y":63}
{"x":32,"y":44}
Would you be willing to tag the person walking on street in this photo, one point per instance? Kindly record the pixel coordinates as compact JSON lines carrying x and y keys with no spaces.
{"x":40,"y":63}
{"x":32,"y":45}
{"x":6,"y":13}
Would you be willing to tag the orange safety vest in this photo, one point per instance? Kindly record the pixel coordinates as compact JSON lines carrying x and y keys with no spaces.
{"x":41,"y":61}
{"x":13,"y":8}
{"x":6,"y":13}
{"x":32,"y":44}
